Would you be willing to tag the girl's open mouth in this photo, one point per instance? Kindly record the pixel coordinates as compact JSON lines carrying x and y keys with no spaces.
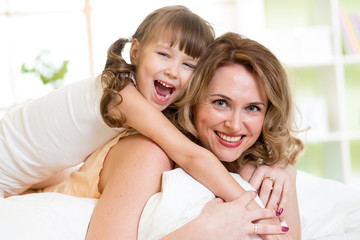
{"x":163,"y":91}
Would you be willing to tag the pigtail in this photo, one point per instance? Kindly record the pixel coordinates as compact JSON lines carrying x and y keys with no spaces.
{"x":115,"y":76}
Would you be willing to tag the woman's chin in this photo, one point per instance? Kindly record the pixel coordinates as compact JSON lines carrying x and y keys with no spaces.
{"x":227,"y":159}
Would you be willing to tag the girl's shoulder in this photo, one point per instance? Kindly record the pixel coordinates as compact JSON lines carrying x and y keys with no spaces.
{"x":134,"y":150}
{"x":134,"y":143}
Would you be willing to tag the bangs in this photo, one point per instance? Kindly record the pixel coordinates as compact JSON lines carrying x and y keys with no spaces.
{"x":187,"y":31}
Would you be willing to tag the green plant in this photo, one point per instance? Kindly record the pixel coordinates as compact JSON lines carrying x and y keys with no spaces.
{"x":46,"y":70}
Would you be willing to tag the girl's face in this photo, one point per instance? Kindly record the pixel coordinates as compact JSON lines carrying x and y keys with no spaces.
{"x":230,"y":117}
{"x":161,"y":71}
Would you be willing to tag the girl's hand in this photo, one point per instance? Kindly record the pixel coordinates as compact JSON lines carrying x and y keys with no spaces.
{"x":273,"y":183}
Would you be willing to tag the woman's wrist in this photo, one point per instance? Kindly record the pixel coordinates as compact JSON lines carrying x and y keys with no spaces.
{"x":195,"y":229}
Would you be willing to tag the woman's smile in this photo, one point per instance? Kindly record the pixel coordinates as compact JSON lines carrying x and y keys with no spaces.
{"x":229,"y":140}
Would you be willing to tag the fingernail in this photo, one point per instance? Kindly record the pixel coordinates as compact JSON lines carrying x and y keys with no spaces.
{"x":284,"y":229}
{"x":279,"y":212}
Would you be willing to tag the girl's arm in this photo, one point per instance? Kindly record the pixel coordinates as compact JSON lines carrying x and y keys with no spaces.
{"x":195,"y":160}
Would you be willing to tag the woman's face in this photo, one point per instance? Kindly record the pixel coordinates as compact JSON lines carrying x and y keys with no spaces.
{"x":230,"y":117}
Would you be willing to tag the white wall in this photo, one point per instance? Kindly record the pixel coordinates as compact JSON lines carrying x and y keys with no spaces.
{"x":27,"y":27}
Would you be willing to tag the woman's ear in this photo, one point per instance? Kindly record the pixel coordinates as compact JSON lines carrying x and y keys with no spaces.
{"x":134,"y":51}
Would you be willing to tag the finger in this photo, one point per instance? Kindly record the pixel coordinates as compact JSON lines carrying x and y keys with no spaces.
{"x":247,"y":171}
{"x":261,"y":213}
{"x":283,"y":201}
{"x":276,"y":195}
{"x":284,"y":195}
{"x":258,"y":176}
{"x":270,"y":229}
{"x":216,"y":201}
{"x":246,"y":198}
{"x":265,"y":190}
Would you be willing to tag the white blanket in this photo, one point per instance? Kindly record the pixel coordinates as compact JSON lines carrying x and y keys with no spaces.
{"x":329,"y":211}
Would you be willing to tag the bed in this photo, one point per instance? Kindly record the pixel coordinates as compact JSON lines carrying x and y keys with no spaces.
{"x":329,"y":210}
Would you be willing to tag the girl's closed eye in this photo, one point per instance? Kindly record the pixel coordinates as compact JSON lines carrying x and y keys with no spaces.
{"x":164,"y":54}
{"x":189,"y":65}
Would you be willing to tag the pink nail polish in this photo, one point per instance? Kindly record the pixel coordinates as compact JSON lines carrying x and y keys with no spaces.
{"x":279,"y":212}
{"x":284,"y":229}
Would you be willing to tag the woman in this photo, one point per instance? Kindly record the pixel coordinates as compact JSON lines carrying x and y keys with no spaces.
{"x":245,"y":127}
{"x":238,"y":106}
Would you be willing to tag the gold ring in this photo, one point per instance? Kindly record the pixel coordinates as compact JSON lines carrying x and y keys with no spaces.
{"x":271,"y":179}
{"x":255,"y":228}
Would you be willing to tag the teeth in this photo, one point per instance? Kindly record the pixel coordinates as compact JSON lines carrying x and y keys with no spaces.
{"x":164,"y":84}
{"x":227,"y":138}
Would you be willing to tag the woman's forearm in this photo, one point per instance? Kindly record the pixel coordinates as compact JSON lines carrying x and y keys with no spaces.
{"x":191,"y":230}
{"x":292,"y":215}
{"x":229,"y":220}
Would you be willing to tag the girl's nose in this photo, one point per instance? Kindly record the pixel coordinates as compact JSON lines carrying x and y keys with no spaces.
{"x":172,"y":71}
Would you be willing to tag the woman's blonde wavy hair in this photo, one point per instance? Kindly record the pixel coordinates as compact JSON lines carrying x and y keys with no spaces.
{"x":276,"y":143}
{"x":175,"y":23}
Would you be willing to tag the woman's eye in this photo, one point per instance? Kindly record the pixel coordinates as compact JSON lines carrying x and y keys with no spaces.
{"x":220,"y":103}
{"x":253,"y":108}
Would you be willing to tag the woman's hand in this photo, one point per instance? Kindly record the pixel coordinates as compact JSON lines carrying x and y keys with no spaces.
{"x":273,"y":183}
{"x":233,"y":220}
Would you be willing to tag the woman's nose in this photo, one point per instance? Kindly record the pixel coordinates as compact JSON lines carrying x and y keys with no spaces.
{"x":234,"y":122}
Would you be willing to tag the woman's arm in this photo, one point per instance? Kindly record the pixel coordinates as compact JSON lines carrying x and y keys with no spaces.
{"x":230,"y":220}
{"x":131,"y":174}
{"x":195,"y":160}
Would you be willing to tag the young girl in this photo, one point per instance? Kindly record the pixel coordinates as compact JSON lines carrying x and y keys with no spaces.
{"x":164,"y":52}
{"x":57,"y":131}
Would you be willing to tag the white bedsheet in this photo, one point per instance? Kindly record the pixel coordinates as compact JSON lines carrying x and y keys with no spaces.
{"x":329,"y":211}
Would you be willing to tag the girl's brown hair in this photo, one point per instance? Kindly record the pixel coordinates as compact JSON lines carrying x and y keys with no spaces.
{"x":191,"y":32}
{"x":276,"y":142}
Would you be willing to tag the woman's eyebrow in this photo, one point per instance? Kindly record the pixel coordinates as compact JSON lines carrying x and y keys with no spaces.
{"x":257,"y":103}
{"x":220,"y":95}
